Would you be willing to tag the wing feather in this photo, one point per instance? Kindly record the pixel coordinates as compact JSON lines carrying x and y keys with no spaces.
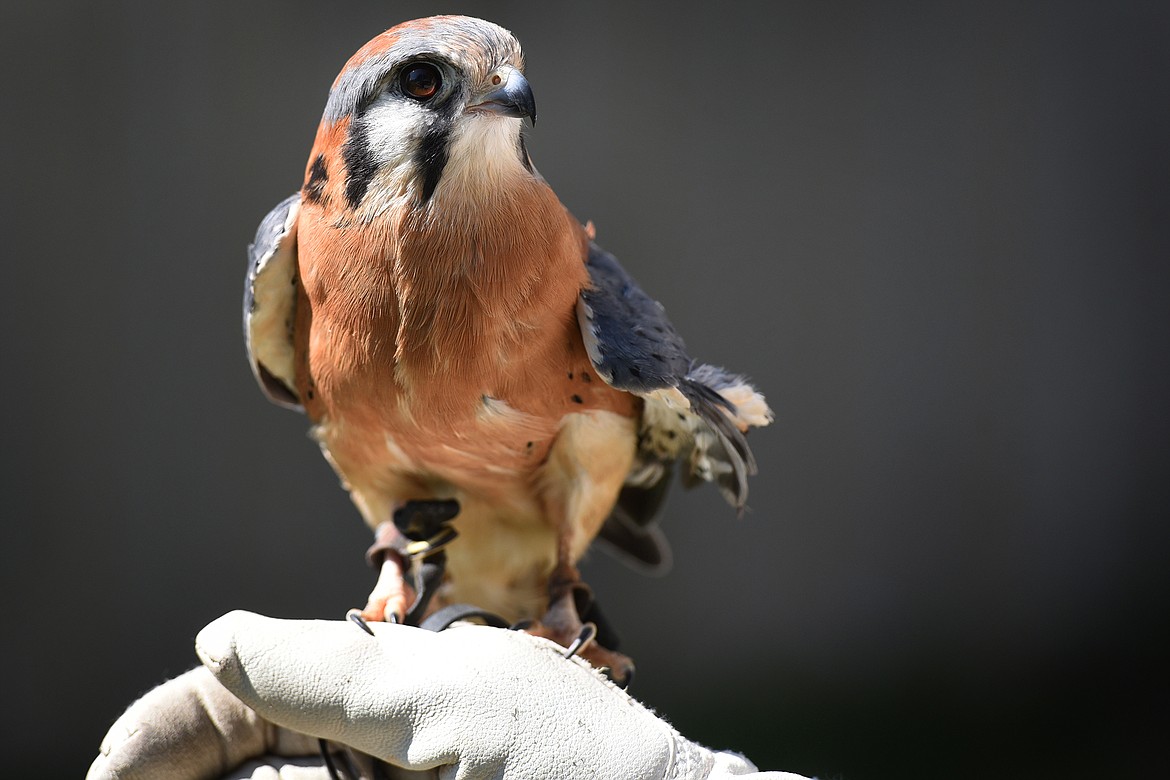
{"x":693,"y":412}
{"x":270,"y":303}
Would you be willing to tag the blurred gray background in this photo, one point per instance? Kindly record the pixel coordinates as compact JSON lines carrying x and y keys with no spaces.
{"x":936,"y":235}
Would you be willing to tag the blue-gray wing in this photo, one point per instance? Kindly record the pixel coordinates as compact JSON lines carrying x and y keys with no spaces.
{"x":270,"y":303}
{"x":631,"y":342}
{"x":693,"y":413}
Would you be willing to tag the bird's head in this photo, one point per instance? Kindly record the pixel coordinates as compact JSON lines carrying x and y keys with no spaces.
{"x":431,"y":106}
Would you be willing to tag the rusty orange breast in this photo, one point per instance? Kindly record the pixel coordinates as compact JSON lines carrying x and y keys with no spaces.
{"x":457,"y":342}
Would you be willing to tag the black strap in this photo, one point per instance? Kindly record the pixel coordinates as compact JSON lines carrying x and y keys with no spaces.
{"x":444,"y":617}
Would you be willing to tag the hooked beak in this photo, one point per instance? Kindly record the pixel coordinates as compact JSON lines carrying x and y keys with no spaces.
{"x":512,"y":97}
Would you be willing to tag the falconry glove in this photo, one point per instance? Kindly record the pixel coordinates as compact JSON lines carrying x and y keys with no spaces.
{"x":469,"y":702}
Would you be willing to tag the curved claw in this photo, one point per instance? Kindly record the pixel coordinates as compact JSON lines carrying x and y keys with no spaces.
{"x":584,"y":637}
{"x":355,"y":617}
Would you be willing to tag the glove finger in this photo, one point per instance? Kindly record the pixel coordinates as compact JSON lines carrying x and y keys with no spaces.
{"x":189,"y":727}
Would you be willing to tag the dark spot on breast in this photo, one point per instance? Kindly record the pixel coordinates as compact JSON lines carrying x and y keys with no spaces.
{"x":681,"y":416}
{"x":585,"y":377}
{"x":671,"y":434}
{"x":311,"y":395}
{"x":570,"y":375}
{"x":528,"y":445}
{"x":314,"y":189}
{"x":577,"y":399}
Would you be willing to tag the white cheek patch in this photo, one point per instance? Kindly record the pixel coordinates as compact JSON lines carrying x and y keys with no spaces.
{"x":392,"y":127}
{"x":482,"y":157}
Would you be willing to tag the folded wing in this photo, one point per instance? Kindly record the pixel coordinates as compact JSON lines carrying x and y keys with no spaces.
{"x":694,"y":413}
{"x":270,"y":303}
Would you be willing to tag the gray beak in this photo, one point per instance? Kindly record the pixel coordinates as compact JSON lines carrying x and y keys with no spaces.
{"x":513,"y":97}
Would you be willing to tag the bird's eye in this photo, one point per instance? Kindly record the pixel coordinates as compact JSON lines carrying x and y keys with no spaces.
{"x":421,"y":80}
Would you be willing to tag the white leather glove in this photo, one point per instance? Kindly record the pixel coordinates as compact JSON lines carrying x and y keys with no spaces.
{"x":469,"y":702}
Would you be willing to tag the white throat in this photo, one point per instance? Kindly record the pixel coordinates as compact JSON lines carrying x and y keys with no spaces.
{"x":483,"y":160}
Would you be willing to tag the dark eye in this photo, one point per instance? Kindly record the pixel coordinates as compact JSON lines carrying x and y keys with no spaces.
{"x":421,"y":80}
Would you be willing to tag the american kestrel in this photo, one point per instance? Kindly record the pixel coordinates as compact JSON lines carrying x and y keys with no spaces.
{"x":453,"y":333}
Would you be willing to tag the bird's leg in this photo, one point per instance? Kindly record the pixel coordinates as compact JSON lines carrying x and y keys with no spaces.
{"x":388,"y":600}
{"x":569,"y":600}
{"x":581,"y":478}
{"x":414,"y":541}
{"x":425,"y":524}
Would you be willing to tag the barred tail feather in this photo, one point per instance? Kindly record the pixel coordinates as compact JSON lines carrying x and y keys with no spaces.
{"x":748,"y":407}
{"x":726,"y":458}
{"x":699,"y":422}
